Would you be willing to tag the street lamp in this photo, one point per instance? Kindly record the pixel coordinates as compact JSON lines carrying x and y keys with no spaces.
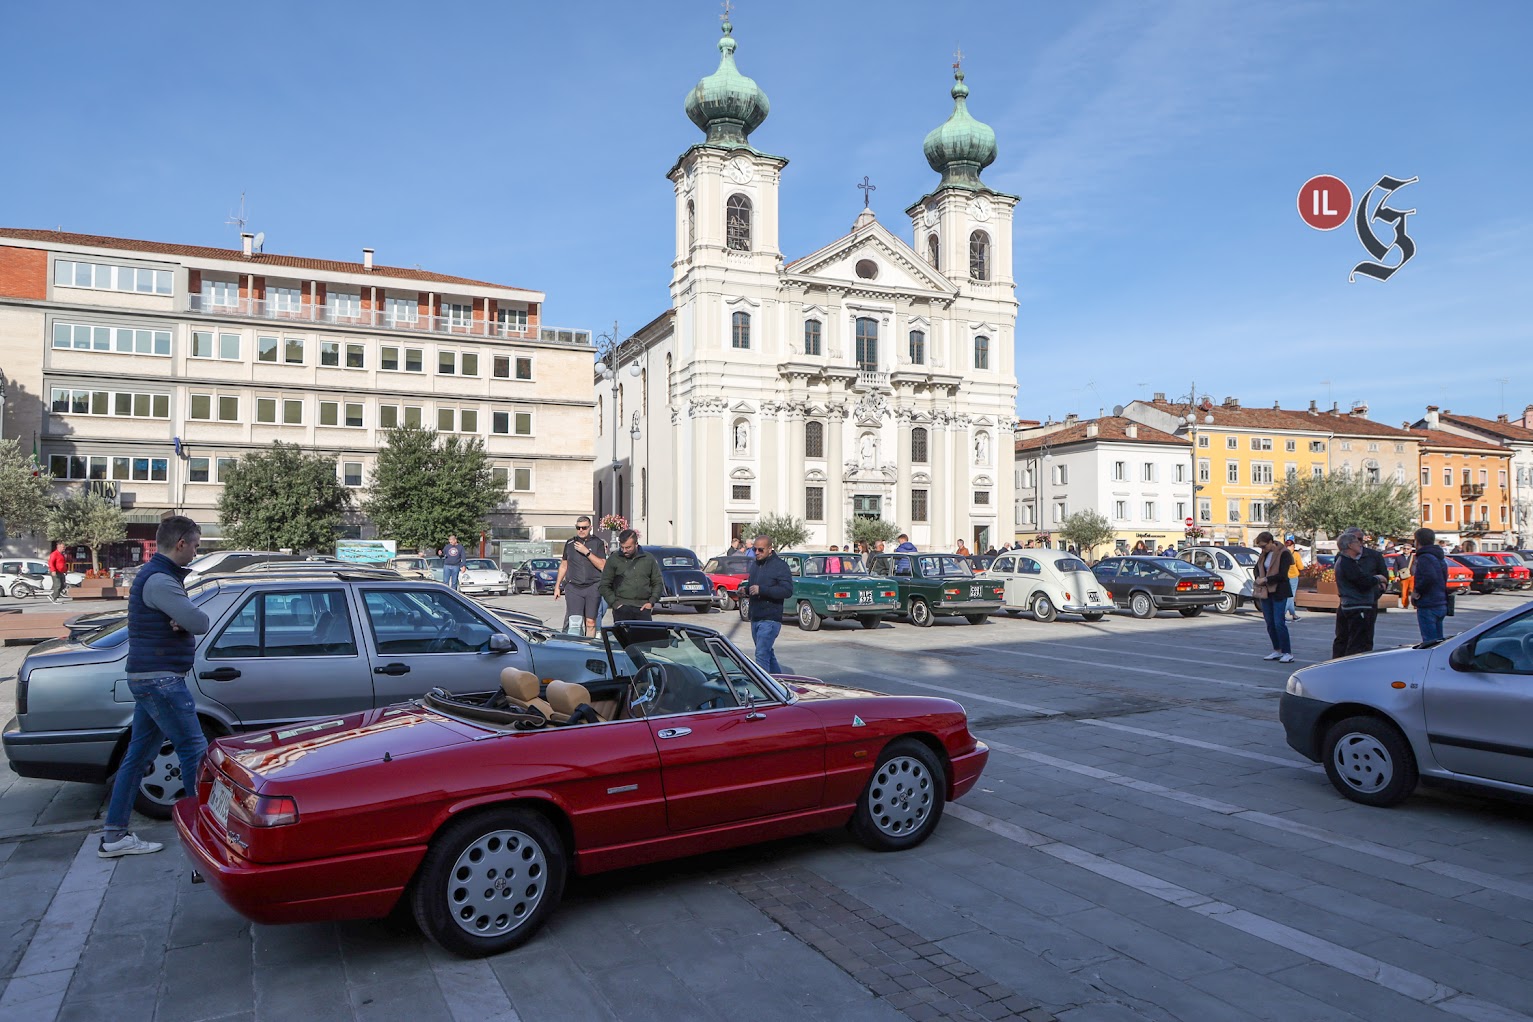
{"x":614,"y":352}
{"x":1191,"y":418}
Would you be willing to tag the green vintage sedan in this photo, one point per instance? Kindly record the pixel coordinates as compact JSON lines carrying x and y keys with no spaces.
{"x":939,"y":585}
{"x":833,"y":585}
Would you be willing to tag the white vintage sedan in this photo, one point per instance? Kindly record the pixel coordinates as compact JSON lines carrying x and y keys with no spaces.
{"x":27,"y":576}
{"x":1236,"y":565}
{"x":1048,"y":583}
{"x":483,"y":575}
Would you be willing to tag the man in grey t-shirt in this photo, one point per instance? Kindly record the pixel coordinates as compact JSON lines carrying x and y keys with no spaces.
{"x":580,"y":569}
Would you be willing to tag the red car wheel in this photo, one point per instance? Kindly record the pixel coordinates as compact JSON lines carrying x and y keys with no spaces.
{"x":489,"y":882}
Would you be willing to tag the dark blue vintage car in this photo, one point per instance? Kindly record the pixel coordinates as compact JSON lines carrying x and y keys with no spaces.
{"x":685,"y":583}
{"x":1145,"y":585}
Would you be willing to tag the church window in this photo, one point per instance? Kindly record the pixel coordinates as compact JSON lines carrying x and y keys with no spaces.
{"x":981,"y":352}
{"x":867,"y":343}
{"x":867,"y":269}
{"x":979,"y":255}
{"x":918,"y":347}
{"x":741,"y":330}
{"x":918,"y":445}
{"x":737,"y":224}
{"x":811,"y":337}
{"x":691,"y":224}
{"x":932,"y":248}
{"x":814,"y":503}
{"x":814,"y":440}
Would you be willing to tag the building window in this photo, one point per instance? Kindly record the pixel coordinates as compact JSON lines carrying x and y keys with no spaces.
{"x":292,"y":351}
{"x":401,"y":311}
{"x":1290,"y":470}
{"x":1290,"y":446}
{"x":737,"y":224}
{"x":388,"y":359}
{"x":933,"y":249}
{"x":814,"y":503}
{"x":1120,"y":510}
{"x":1148,"y":472}
{"x":1149,"y":511}
{"x":329,"y":413}
{"x":122,"y":340}
{"x":1447,"y":512}
{"x":1501,"y":478}
{"x":1317,"y":447}
{"x":1061,"y":475}
{"x":1061,"y":509}
{"x":351,"y":473}
{"x":513,"y":423}
{"x":415,"y":360}
{"x":1205,"y":509}
{"x":1232,"y":471}
{"x":1261,"y":472}
{"x":867,"y":343}
{"x":468,"y":420}
{"x":1371,"y":472}
{"x":388,"y":416}
{"x":1261,"y":443}
{"x":979,"y":255}
{"x":982,"y":496}
{"x":1318,"y":471}
{"x":120,"y":404}
{"x":1232,"y":510}
{"x":457,"y":316}
{"x":197,"y":470}
{"x":354,"y":415}
{"x":918,"y":347}
{"x":918,"y":445}
{"x":266,"y":409}
{"x":1259,"y":511}
{"x":811,"y":337}
{"x":1181,"y":510}
{"x":511,"y":320}
{"x":521,"y":479}
{"x":740,"y":491}
{"x":1230,"y":443}
{"x":356,"y":356}
{"x":1119,"y":471}
{"x":284,"y":301}
{"x":222,"y":294}
{"x":446,"y":419}
{"x":292,"y":412}
{"x":1373,"y":446}
{"x":1180,"y":475}
{"x":691,"y":224}
{"x":1205,"y":470}
{"x":1426,"y":513}
{"x":814,"y":440}
{"x":110,"y":277}
{"x":330,"y":353}
{"x":447,"y":363}
{"x":918,"y":512}
{"x":1426,"y":477}
{"x":344,"y":306}
{"x":740,"y":330}
{"x":266,"y":349}
{"x":1203,"y":440}
{"x":1346,"y":445}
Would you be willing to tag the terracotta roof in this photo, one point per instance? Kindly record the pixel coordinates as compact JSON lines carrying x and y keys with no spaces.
{"x":1440,"y":438}
{"x":265,"y":259}
{"x":1286,"y":420}
{"x":1109,"y":428}
{"x":1343,"y":424}
{"x":1508,"y":430}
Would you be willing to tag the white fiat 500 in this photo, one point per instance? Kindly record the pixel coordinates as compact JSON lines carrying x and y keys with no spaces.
{"x":1236,"y":565}
{"x":1048,"y":583}
{"x":1456,"y":710}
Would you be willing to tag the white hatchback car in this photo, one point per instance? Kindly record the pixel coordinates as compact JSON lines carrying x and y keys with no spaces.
{"x":483,"y":575}
{"x":1047,"y":582}
{"x":27,"y":576}
{"x":1230,"y":564}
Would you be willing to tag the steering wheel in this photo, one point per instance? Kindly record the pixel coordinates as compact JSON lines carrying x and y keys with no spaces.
{"x":447,"y":630}
{"x":648,"y":687}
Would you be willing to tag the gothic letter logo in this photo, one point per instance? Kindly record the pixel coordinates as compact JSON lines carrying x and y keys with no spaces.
{"x":1376,"y":248}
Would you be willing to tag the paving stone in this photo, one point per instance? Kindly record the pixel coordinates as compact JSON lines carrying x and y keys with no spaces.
{"x":206,"y":981}
{"x":546,"y":983}
{"x":1267,"y":999}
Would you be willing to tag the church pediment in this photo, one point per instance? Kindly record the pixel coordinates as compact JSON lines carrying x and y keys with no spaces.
{"x":874,"y":250}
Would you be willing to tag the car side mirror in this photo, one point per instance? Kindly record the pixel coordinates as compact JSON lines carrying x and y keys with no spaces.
{"x":500,"y":643}
{"x":1462,"y":657}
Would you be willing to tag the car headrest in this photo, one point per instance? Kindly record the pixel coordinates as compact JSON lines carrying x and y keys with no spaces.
{"x":566,"y":696}
{"x":519,"y":684}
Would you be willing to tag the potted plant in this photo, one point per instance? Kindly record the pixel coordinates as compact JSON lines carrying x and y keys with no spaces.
{"x":612,"y":525}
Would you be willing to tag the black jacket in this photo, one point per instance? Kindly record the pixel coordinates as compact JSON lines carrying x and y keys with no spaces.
{"x":776,"y":583}
{"x":1355,"y":583}
{"x":1429,"y":578}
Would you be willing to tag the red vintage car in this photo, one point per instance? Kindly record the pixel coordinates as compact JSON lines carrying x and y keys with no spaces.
{"x":1460,"y":578}
{"x":1521,"y":577}
{"x":475,"y":809}
{"x":728,"y":573}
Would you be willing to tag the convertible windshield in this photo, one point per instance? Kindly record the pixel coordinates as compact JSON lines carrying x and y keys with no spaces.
{"x":945,"y":567}
{"x":681,"y":671}
{"x":834,"y":564}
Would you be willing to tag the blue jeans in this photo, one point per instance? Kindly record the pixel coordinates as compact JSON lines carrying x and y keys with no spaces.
{"x":1430,"y":621}
{"x":1290,"y":609}
{"x":1277,"y":628}
{"x":450,"y":575}
{"x":764,"y":635}
{"x":162,"y":708}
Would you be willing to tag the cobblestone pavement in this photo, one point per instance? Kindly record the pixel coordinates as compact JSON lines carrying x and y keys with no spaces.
{"x":1143,"y":846}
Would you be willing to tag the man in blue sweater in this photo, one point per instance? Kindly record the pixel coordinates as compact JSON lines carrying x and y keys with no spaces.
{"x":162,"y":629}
{"x":1429,"y":586}
{"x":768,"y":585}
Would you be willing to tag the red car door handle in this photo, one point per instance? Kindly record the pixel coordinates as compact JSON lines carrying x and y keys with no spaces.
{"x":673,"y":732}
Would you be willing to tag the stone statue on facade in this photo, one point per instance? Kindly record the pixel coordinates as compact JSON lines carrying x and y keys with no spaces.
{"x":868,"y":451}
{"x":982,"y":449}
{"x":742,"y":438}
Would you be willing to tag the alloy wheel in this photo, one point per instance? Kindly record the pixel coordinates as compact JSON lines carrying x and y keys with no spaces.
{"x":497,"y":883}
{"x":901,"y":796}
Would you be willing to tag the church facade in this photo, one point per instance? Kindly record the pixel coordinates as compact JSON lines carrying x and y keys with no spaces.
{"x":873,"y":377}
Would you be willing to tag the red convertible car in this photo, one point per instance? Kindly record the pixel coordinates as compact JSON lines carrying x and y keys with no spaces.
{"x":475,"y":809}
{"x":728,"y":573}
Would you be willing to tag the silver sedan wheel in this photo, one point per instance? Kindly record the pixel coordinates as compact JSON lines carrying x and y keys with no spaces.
{"x":1363,"y":763}
{"x":162,"y":783}
{"x":901,"y":796}
{"x":497,"y":883}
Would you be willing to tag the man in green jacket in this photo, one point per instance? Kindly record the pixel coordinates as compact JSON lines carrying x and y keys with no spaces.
{"x":631,"y":582}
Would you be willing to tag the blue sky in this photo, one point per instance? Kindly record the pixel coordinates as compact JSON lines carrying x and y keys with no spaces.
{"x":1158,"y":150}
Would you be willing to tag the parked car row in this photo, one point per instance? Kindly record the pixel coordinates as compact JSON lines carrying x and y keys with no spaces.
{"x":23,"y":577}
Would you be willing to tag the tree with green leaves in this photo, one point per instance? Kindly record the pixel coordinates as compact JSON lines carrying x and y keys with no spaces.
{"x":87,"y":519}
{"x":871,"y":531}
{"x":26,"y":490}
{"x":785,"y":531}
{"x":1085,"y":530}
{"x":427,"y":487}
{"x":1312,"y":507}
{"x":282,"y":499}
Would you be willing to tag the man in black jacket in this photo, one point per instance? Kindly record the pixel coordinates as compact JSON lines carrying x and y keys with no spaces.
{"x":1361,"y":576}
{"x":768,"y":585}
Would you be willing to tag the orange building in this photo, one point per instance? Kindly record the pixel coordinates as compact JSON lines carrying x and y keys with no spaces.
{"x":1465,"y":490}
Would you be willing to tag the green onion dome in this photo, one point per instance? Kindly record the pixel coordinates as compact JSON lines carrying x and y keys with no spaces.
{"x":727,"y":105}
{"x":961,"y":146}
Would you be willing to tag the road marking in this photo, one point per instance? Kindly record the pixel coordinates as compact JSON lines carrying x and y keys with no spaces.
{"x":1178,"y":675}
{"x":1391,"y":977}
{"x":1489,"y":881}
{"x":1041,"y":711}
{"x":36,"y":990}
{"x":1200,"y":744}
{"x":1137,"y":653}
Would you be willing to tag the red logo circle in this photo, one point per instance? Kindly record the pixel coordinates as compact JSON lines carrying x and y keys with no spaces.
{"x":1325,"y":202}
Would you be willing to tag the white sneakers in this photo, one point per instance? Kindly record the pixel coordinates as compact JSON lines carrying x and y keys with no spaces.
{"x":1272,"y":656}
{"x":128,"y":844}
{"x":1286,"y":658}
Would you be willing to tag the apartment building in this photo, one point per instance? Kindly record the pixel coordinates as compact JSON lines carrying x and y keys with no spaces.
{"x":1465,"y":489}
{"x":1517,"y":437}
{"x":146,"y":369}
{"x":1138,"y":477}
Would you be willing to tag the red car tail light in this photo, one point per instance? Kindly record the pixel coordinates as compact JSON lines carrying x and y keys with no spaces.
{"x":263,"y":810}
{"x":842,"y":596}
{"x":1218,"y":583}
{"x":1182,"y":587}
{"x":889,"y":593}
{"x":950,"y":592}
{"x":1068,"y":597}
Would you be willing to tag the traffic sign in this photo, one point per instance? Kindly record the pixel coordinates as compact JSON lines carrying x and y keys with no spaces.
{"x":1189,"y":523}
{"x":1325,"y":202}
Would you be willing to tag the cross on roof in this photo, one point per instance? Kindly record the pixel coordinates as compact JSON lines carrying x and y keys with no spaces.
{"x":727,"y":8}
{"x":868,"y":188}
{"x":957,"y":59}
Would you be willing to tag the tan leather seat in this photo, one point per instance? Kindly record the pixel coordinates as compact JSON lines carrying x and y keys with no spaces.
{"x":521,"y":690}
{"x":567,"y":698}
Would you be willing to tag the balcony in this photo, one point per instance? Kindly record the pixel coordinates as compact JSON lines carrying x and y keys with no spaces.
{"x":1472,"y":491}
{"x":871,"y":379}
{"x":1478,"y":528}
{"x":382,"y":319}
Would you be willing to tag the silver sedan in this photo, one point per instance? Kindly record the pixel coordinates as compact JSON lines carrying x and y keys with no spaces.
{"x":1457,"y":710}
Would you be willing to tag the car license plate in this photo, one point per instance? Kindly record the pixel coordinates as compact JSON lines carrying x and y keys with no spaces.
{"x":694,"y":585}
{"x":974,"y":592}
{"x":865,"y":597}
{"x":218,"y":802}
{"x":1093,"y":596}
